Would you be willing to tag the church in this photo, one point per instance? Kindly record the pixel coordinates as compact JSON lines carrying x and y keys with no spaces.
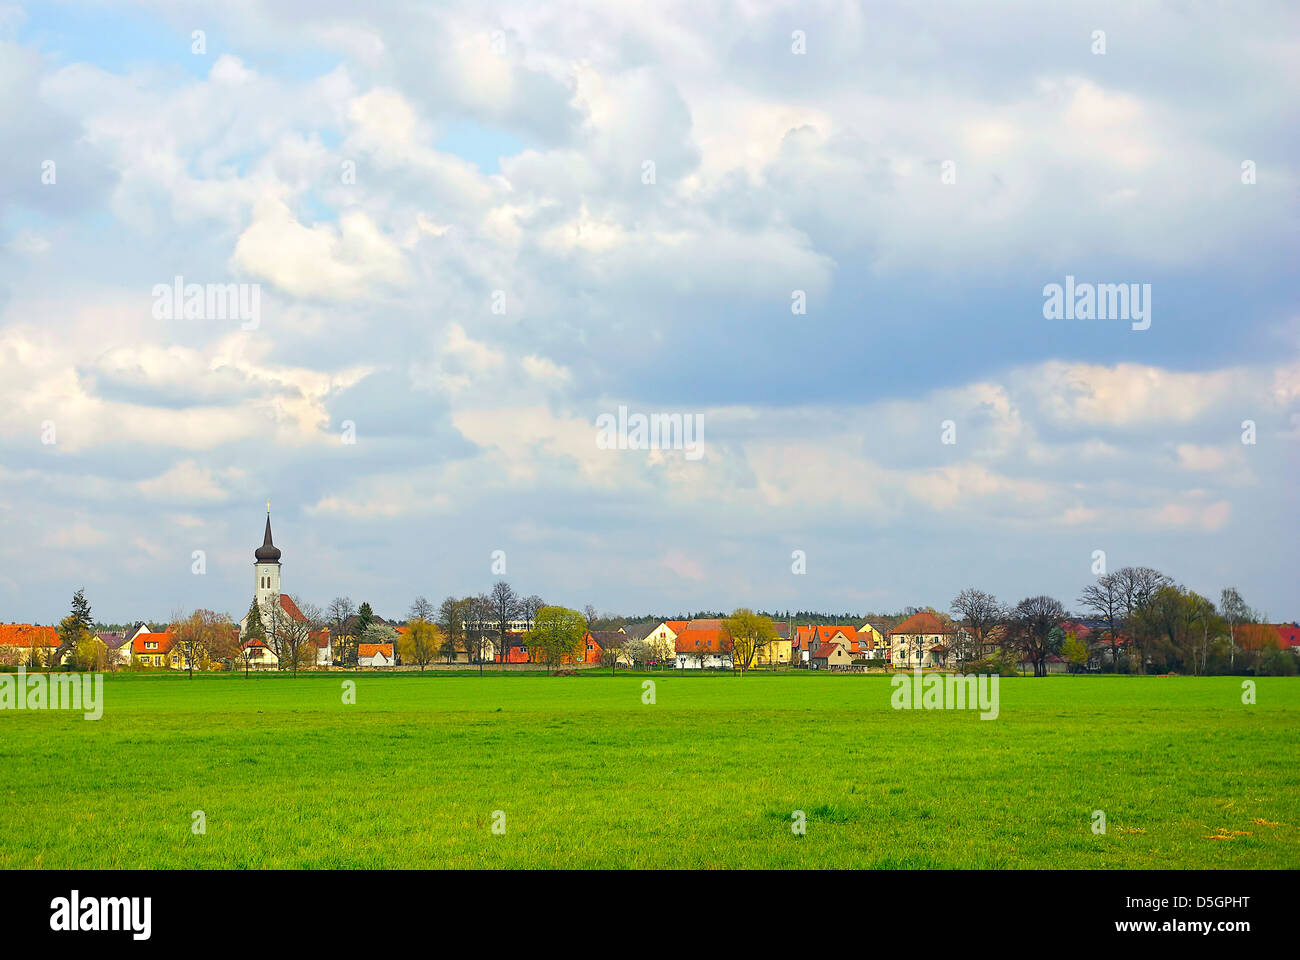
{"x":266,"y":591}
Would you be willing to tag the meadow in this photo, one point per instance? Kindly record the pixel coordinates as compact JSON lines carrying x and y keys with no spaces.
{"x":587,"y":775}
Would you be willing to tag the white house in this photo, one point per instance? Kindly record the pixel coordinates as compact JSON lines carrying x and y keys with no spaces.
{"x":705,"y":649}
{"x":922,"y":640}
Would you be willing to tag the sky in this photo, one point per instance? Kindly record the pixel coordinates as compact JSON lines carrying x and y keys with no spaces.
{"x":821,"y":232}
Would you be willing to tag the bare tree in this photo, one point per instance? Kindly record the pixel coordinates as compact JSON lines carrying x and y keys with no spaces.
{"x":506,"y":606}
{"x":478,"y":611}
{"x":451,"y":619}
{"x":299,"y":634}
{"x":1032,"y":623}
{"x":421,"y":609}
{"x":1138,"y":586}
{"x":1105,"y":598}
{"x":980,"y":612}
{"x":529,"y":607}
{"x":340,"y":610}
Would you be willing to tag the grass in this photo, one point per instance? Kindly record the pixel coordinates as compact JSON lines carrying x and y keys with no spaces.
{"x":587,"y":775}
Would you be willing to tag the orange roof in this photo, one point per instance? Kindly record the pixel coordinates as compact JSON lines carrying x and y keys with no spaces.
{"x":711,"y":624}
{"x":321,"y":637}
{"x":676,"y":626}
{"x":164,"y":641}
{"x":920,"y":623}
{"x":370,"y":649}
{"x":27,"y":635}
{"x":708,"y":641}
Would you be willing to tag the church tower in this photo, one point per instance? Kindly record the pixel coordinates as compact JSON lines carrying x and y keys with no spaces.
{"x":267,"y":566}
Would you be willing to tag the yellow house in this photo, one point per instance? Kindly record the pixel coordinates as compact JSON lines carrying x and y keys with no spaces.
{"x":870,"y":638}
{"x":776,"y":653}
{"x":155,"y":650}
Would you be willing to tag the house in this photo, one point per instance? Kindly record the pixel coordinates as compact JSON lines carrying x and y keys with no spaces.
{"x":21,"y":643}
{"x":1289,"y":634}
{"x":516,"y":649}
{"x":703,"y":649}
{"x":117,"y":650}
{"x":775,"y":653}
{"x":375,"y":655}
{"x":150,"y":649}
{"x":256,"y":655}
{"x":921,"y":640}
{"x":324,"y":647}
{"x":830,"y":655}
{"x":873,"y":641}
{"x":809,"y":639}
{"x":596,"y":642}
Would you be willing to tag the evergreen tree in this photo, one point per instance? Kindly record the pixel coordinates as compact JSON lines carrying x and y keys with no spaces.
{"x":254,"y":629}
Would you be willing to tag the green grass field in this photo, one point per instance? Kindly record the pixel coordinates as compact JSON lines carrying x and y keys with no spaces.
{"x":589,"y":776}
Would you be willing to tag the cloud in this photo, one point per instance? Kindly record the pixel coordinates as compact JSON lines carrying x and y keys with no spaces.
{"x":352,"y":261}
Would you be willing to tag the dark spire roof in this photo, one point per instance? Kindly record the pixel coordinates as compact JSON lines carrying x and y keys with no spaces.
{"x":268,"y":552}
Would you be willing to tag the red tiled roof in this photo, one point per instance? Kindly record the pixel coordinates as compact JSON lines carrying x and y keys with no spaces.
{"x":291,"y":608}
{"x":27,"y":635}
{"x":1289,"y":633}
{"x":826,"y":649}
{"x":676,"y":626}
{"x":370,"y":649}
{"x":708,"y":624}
{"x":920,"y":623}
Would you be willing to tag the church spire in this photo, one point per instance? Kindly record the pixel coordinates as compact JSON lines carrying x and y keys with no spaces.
{"x":268,"y":552}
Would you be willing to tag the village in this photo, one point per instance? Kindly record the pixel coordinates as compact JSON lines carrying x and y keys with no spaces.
{"x":1138,"y":621}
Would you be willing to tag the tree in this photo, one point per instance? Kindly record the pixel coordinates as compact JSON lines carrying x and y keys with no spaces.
{"x":979,"y":612}
{"x":506,"y":606}
{"x":451,"y":620}
{"x":365,"y":617}
{"x":421,"y":643}
{"x":340,"y":610}
{"x":1234,"y":612}
{"x":1138,"y":586}
{"x":73,"y":629}
{"x":254,"y":630}
{"x":1031,"y":626}
{"x":188,"y":632}
{"x":556,"y":634}
{"x":529,"y":607}
{"x":91,"y":653}
{"x":223,"y":639}
{"x":751,"y":634}
{"x":421,"y":609}
{"x":612,"y":649}
{"x":1105,"y":598}
{"x":1075,"y":651}
{"x":478,"y":611}
{"x":300,"y":633}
